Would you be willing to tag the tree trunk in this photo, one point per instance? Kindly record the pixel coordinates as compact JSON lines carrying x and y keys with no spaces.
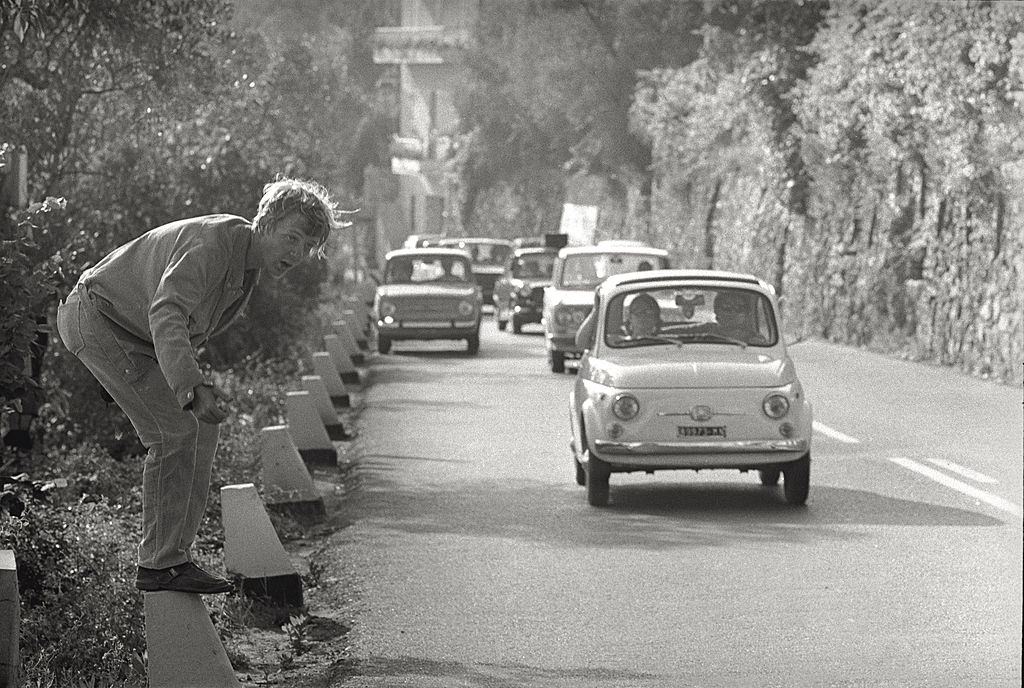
{"x":709,"y":227}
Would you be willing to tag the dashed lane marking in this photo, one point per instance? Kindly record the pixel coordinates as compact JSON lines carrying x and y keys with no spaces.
{"x":968,"y":473}
{"x":834,"y":434}
{"x":958,"y":485}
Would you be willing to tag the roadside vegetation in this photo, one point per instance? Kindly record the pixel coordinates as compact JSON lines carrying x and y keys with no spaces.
{"x":134,"y":114}
{"x":864,"y":156}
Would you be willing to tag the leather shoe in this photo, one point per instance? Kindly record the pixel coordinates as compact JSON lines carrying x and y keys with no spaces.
{"x":185,"y":577}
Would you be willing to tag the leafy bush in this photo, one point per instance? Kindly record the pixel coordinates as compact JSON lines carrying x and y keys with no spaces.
{"x":76,"y":564}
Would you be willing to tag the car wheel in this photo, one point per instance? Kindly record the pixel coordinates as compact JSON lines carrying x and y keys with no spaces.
{"x":517,"y":325}
{"x":557,"y":359}
{"x":769,"y":476}
{"x":581,"y":475}
{"x":383,"y":345}
{"x":797,"y":480}
{"x":598,"y":474}
{"x":473,"y":344}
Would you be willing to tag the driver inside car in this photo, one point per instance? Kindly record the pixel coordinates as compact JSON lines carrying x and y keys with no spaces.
{"x":733,"y":317}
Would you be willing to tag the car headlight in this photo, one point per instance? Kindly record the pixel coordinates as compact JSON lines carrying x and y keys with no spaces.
{"x":625,"y":406}
{"x":466,"y":308}
{"x":569,"y":318}
{"x":386,"y":308}
{"x":775,"y":405}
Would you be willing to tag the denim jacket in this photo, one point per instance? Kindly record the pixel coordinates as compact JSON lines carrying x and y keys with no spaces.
{"x":171,"y":289}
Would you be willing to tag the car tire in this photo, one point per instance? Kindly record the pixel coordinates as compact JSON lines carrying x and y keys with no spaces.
{"x":473,"y":344}
{"x":383,"y":345}
{"x":769,"y":476}
{"x":557,"y":360}
{"x":517,"y":325}
{"x":598,"y":474}
{"x":581,"y":475}
{"x":796,"y":481}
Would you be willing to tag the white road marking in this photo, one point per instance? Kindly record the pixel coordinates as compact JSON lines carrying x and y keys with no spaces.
{"x":964,"y":471}
{"x":834,"y":434}
{"x":959,"y":486}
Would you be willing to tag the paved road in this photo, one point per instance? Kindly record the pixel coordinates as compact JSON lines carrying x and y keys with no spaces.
{"x":478,"y":562}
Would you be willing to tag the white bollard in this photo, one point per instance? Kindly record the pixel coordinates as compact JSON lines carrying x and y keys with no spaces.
{"x":10,"y":619}
{"x":323,"y":366}
{"x":287,"y":485}
{"x":182,"y":646}
{"x":252,"y":549}
{"x":348,"y":340}
{"x":309,"y":433}
{"x":325,"y":407}
{"x":342,"y":361}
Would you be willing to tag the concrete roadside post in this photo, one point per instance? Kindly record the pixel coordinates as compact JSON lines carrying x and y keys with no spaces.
{"x":182,"y":646}
{"x":342,"y":361}
{"x":287,"y":485}
{"x":325,"y":407}
{"x":253,"y":551}
{"x":308,"y":430}
{"x":324,"y":367}
{"x":10,"y":620}
{"x":348,"y":340}
{"x":361,"y":336}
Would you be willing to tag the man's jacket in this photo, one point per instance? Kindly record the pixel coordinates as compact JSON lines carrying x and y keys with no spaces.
{"x":174,"y":287}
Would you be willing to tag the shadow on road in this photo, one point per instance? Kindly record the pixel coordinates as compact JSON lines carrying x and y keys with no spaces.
{"x":646,"y":516}
{"x":512,"y":675}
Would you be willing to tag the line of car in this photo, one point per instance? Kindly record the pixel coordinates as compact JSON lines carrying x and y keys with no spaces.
{"x":678,"y":369}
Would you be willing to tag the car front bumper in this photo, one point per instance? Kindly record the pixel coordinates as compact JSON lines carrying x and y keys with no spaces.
{"x":454,"y":329}
{"x":721,"y":454}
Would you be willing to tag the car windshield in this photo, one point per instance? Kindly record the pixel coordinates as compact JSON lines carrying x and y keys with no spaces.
{"x":482,"y":252}
{"x":533,"y":266}
{"x":427,"y":268}
{"x":685,"y":315}
{"x":587,"y":270}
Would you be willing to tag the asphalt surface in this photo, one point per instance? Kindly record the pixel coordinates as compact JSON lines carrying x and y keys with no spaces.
{"x":477,"y":561}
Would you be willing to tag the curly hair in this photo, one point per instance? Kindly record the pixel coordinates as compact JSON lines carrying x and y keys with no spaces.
{"x":285,"y":195}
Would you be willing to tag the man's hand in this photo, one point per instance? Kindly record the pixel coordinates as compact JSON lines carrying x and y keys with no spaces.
{"x":206,"y":404}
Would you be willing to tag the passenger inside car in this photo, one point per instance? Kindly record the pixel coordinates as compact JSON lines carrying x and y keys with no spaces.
{"x":643,"y":318}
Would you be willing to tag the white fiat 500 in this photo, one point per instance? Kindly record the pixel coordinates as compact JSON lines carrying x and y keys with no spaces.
{"x":687,"y":369}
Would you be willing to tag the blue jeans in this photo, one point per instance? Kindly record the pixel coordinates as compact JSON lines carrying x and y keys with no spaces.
{"x":176,"y":475}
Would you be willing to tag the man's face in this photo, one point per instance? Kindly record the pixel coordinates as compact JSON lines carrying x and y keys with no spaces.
{"x":286,"y":245}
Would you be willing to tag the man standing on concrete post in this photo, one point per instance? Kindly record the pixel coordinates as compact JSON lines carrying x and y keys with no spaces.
{"x":136,"y":320}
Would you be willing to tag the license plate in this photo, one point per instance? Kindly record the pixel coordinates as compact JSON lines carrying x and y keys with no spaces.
{"x":701,"y":431}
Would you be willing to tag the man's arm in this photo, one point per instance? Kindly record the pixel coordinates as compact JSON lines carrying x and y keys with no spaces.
{"x":188,"y":278}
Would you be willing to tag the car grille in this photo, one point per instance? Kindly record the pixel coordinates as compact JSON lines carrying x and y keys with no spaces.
{"x":427,"y":307}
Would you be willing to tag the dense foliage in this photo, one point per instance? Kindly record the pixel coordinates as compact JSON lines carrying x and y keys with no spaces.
{"x":135,"y":114}
{"x":863,"y":156}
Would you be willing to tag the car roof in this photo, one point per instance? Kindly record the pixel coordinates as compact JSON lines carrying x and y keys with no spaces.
{"x":705,"y":277}
{"x":636,"y":250}
{"x":475,"y":240}
{"x":426,"y":251}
